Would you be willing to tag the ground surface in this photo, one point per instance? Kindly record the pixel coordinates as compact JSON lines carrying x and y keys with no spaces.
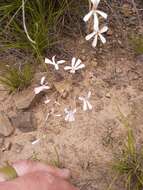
{"x":88,"y":145}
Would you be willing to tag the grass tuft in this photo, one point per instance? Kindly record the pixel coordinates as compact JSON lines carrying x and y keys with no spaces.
{"x":129,"y":164}
{"x":17,"y":79}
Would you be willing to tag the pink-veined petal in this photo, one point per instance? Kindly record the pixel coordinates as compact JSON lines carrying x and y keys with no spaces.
{"x":73,"y":61}
{"x":96,"y":22}
{"x":48,"y":61}
{"x":67,"y":68}
{"x":104,"y":29}
{"x":80,"y":66}
{"x":87,"y":16}
{"x":42,"y":80}
{"x":103,"y":39}
{"x":104,"y":15}
{"x":78,"y":63}
{"x":94,"y":43}
{"x":89,"y":36}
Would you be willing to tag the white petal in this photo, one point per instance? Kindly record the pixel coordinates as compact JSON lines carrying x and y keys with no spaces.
{"x":42,"y":80}
{"x":45,"y":87}
{"x":89,"y":36}
{"x":67,"y":68}
{"x":48,"y":61}
{"x":73,"y":61}
{"x":72,"y":71}
{"x":78,"y":62}
{"x":103,"y":39}
{"x":89,"y":94}
{"x":71,"y":117}
{"x":87,"y":16}
{"x":53,"y":59}
{"x":89,"y":105}
{"x":61,"y":62}
{"x":36,"y":141}
{"x":104,"y":29}
{"x":96,"y":2}
{"x":56,"y":67}
{"x":104,"y":15}
{"x":96,"y":22}
{"x":47,"y":101}
{"x":39,"y":89}
{"x":84,"y":105}
{"x":80,"y":67}
{"x":66,"y":111}
{"x":81,"y":98}
{"x":94,"y":43}
{"x":74,"y":111}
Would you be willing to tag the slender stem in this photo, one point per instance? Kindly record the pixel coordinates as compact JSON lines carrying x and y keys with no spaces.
{"x":24,"y":23}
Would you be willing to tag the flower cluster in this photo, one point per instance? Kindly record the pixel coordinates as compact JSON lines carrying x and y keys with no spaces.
{"x":75,"y":64}
{"x":97,"y":31}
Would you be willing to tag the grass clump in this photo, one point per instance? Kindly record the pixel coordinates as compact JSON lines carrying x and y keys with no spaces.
{"x":129,"y":164}
{"x":17,"y":79}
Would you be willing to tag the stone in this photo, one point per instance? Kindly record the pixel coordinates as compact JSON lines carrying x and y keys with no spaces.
{"x":6,"y":128}
{"x":26,"y":100}
{"x":25,"y":122}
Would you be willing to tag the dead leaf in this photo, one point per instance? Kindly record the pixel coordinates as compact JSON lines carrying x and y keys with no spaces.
{"x":63,"y":87}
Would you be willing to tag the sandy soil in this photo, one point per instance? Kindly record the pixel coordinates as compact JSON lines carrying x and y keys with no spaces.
{"x":88,"y":145}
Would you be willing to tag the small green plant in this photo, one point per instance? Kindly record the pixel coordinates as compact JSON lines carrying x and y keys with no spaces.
{"x":129,"y":164}
{"x":137,"y":44}
{"x":17,"y":79}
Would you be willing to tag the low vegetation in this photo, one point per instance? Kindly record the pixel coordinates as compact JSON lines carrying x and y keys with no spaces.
{"x":17,"y":78}
{"x":129,"y":164}
{"x":34,"y":26}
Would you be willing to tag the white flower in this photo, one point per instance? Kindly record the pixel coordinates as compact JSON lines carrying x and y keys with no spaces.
{"x":94,"y":12}
{"x":86,"y":103}
{"x":70,"y":115}
{"x":53,"y":62}
{"x":75,"y":65}
{"x":95,"y":34}
{"x":44,"y":86}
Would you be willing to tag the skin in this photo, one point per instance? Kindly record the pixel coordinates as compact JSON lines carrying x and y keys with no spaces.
{"x":37,"y":176}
